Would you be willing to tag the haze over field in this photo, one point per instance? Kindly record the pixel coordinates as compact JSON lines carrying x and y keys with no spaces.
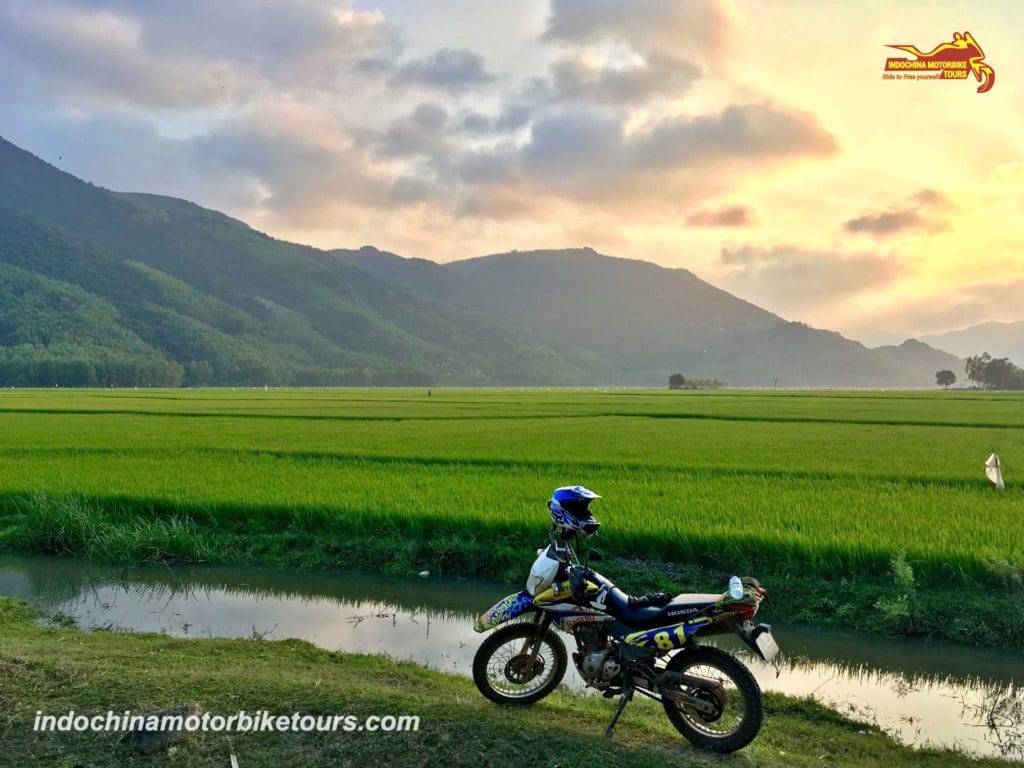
{"x":1000,"y":339}
{"x":755,"y":144}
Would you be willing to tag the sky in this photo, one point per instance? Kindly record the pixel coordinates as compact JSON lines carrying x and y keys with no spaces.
{"x":756,"y":144}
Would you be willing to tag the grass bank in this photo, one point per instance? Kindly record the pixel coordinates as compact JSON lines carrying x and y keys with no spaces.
{"x":60,"y":669}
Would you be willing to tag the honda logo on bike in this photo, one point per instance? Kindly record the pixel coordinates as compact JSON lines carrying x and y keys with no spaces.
{"x":682,"y":612}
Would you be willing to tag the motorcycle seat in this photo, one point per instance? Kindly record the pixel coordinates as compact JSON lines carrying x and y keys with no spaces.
{"x":678,"y":609}
{"x":643,"y":613}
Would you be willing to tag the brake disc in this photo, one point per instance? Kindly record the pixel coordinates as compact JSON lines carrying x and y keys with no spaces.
{"x":516,"y":669}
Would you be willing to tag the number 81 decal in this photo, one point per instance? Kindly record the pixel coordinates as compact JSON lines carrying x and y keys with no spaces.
{"x":664,"y":639}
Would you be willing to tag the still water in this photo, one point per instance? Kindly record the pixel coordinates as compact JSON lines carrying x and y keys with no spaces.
{"x":921,"y":693}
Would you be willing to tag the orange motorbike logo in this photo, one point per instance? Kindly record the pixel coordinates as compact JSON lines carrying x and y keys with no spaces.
{"x":947,"y":61}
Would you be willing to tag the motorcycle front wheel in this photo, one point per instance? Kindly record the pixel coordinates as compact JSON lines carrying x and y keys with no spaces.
{"x":502,"y":669}
{"x":731,"y":705}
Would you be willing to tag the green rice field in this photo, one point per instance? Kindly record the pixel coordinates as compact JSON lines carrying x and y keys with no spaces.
{"x":819,"y":484}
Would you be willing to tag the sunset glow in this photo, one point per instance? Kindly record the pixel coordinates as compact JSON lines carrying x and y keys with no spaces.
{"x":756,"y":144}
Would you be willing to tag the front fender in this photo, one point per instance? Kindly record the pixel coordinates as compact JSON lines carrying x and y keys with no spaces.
{"x":504,"y":610}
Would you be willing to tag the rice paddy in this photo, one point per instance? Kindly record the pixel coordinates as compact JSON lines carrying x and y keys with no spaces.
{"x":817,"y":482}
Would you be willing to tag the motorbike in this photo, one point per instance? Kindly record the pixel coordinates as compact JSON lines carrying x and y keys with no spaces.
{"x":627,"y":645}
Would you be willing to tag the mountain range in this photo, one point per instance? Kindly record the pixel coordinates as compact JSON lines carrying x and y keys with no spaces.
{"x":998,"y":339}
{"x":109,"y":288}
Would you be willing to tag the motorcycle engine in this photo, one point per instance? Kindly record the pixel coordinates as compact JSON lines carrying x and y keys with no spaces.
{"x":600,"y":668}
{"x":598,"y":659}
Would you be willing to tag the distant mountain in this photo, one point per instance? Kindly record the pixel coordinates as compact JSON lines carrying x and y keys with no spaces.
{"x":998,"y":339}
{"x":645,"y":321}
{"x":100,"y":287}
{"x":225,"y":304}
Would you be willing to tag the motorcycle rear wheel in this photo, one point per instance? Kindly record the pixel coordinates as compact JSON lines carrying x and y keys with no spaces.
{"x":499,"y":666}
{"x":731,"y":689}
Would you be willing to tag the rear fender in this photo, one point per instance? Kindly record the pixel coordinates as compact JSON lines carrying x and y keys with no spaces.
{"x":506,"y":609}
{"x":751,"y":635}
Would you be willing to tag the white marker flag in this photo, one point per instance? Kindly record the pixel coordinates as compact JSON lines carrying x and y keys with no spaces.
{"x":994,"y":472}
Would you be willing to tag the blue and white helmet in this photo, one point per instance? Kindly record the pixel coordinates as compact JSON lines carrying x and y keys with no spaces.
{"x":570,"y":511}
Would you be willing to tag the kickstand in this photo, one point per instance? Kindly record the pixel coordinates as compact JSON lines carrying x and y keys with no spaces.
{"x":627,"y":696}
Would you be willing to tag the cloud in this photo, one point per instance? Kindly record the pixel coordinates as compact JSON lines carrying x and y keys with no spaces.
{"x":579,"y":78}
{"x":959,"y":307}
{"x":740,"y":131}
{"x":629,"y":54}
{"x":410,"y":190}
{"x":98,"y":55}
{"x":307,"y":165}
{"x":585,"y":157}
{"x":304,"y":115}
{"x":792,"y":280}
{"x":450,"y":69}
{"x":513,"y":116}
{"x":693,"y":31}
{"x":420,"y":133}
{"x":570,"y":144}
{"x":920,"y":216}
{"x":584,"y":153}
{"x":572,"y":134}
{"x":612,"y":57}
{"x":991,"y":294}
{"x":126,"y":153}
{"x":312,"y":42}
{"x":889,"y":222}
{"x":934,"y":200}
{"x":188,"y":54}
{"x":729,"y":216}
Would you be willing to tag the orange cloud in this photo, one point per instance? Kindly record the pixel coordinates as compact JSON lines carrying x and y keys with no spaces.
{"x":729,"y":216}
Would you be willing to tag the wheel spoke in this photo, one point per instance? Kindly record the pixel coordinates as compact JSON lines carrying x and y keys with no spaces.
{"x":721,"y":693}
{"x":719,"y":706}
{"x":509,"y":674}
{"x":508,"y":670}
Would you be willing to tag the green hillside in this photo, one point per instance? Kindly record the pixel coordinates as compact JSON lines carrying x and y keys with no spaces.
{"x":229,"y":305}
{"x":108,"y":288}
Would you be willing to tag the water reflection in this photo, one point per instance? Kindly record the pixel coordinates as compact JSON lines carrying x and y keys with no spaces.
{"x":922,"y":693}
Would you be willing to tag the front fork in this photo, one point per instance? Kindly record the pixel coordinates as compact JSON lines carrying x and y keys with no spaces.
{"x":543,"y":622}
